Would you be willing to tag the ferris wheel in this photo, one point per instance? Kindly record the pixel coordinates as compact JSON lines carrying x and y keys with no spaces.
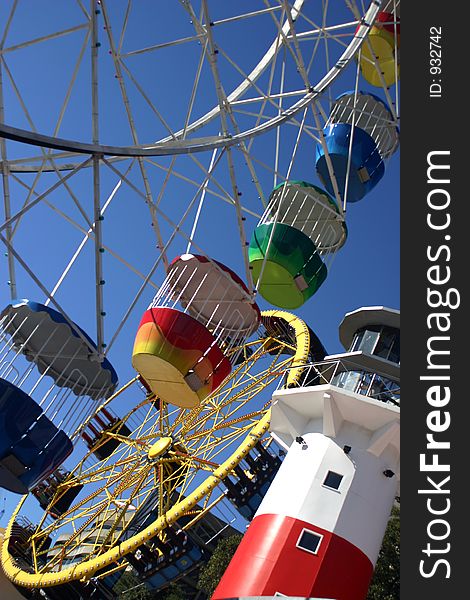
{"x":160,"y":152}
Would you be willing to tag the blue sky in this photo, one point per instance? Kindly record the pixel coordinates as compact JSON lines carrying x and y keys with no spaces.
{"x":365,"y":271}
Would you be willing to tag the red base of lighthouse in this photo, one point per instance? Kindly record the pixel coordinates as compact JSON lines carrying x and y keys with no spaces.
{"x":269,"y":560}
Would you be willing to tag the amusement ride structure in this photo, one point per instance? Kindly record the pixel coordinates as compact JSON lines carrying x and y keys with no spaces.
{"x":179,"y":228}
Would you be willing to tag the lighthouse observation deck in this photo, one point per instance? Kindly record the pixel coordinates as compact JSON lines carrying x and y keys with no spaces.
{"x":355,"y":372}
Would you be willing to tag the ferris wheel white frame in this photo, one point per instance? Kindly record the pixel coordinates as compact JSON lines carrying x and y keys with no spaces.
{"x":178,"y":143}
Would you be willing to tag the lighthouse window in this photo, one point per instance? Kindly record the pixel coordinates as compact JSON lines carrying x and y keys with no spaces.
{"x":380,"y":340}
{"x":388,"y":346}
{"x":309,"y":541}
{"x":333,"y":480}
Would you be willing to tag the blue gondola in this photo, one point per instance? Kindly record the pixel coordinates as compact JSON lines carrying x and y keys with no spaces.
{"x":361,"y":134}
{"x":56,"y":361}
{"x":366,"y":165}
{"x":31,"y":446}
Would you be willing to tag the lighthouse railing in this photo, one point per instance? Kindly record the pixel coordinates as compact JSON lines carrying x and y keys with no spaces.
{"x":350,"y":376}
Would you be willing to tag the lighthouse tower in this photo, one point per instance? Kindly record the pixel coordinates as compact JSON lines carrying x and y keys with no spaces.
{"x":319,"y":528}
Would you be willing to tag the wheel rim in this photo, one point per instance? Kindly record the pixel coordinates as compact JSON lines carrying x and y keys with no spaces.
{"x":282,"y":19}
{"x":191,"y":452}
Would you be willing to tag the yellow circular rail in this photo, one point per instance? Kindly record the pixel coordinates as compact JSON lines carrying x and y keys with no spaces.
{"x":87,"y":569}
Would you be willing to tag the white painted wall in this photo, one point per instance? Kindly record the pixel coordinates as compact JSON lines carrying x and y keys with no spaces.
{"x":357,"y":512}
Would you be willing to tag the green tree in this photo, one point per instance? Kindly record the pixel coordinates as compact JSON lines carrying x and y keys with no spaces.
{"x":129,"y":587}
{"x":385,"y":584}
{"x":213,"y":570}
{"x":173,"y":592}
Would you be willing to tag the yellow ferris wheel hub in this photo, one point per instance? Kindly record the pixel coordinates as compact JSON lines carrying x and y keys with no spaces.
{"x":159,"y":447}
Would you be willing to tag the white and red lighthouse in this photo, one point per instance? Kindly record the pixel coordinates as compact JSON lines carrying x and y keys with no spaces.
{"x":318,"y":530}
